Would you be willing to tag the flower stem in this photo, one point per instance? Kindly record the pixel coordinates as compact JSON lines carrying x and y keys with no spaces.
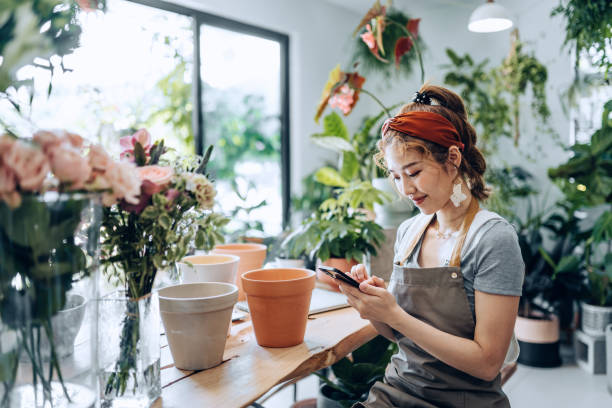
{"x":378,"y":101}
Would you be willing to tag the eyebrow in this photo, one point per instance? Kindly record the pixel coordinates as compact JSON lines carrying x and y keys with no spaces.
{"x":407,"y":165}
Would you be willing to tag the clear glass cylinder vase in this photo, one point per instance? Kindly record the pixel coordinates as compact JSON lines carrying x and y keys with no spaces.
{"x":49,"y":255}
{"x":129,"y":350}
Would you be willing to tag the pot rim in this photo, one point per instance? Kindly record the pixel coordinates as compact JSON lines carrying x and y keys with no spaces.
{"x":232,"y":259}
{"x":309,"y":274}
{"x":239,"y":247}
{"x":596,"y":307}
{"x":234,"y":289}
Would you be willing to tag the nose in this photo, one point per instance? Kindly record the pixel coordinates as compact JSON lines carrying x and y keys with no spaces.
{"x":405,"y":186}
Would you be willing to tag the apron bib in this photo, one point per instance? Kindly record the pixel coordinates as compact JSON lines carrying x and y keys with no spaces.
{"x":437,"y":296}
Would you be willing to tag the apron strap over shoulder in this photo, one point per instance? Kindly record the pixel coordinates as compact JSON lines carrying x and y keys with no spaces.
{"x":465,"y":226}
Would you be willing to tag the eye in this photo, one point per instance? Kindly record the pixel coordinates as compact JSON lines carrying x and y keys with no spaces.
{"x":416,"y":173}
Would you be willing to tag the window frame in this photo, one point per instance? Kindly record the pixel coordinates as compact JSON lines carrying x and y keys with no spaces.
{"x":198,"y":119}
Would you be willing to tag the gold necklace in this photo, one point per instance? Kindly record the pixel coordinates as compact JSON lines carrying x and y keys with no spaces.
{"x":441,"y":235}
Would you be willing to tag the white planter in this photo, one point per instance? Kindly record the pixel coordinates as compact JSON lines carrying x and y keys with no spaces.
{"x":595,"y":319}
{"x":288,"y":263}
{"x":391,"y":214}
{"x":209,"y":268}
{"x":196,"y":317}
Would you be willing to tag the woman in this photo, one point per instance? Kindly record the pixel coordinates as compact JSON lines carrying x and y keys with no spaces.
{"x":457,"y":272}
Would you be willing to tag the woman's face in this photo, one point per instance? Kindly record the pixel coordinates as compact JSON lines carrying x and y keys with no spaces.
{"x":426,"y":182}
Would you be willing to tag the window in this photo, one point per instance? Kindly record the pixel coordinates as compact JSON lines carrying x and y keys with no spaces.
{"x":136,"y":67}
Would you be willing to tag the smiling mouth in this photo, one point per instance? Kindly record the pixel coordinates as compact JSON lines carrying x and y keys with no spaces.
{"x":418,"y":200}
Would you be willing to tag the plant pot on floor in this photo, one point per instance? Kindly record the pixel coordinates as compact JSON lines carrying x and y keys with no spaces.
{"x":252,"y":256}
{"x":538,"y":338}
{"x":595,"y":319}
{"x":196,"y":317}
{"x":279,"y":300}
{"x":338,"y":263}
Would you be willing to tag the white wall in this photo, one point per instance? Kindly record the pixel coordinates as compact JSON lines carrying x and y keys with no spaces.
{"x":319,"y":39}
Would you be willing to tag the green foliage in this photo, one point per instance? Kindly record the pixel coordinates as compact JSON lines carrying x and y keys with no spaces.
{"x":395,"y":28}
{"x":489,"y":111}
{"x":589,"y":29}
{"x":586,"y":178}
{"x":39,"y":260}
{"x":24,"y":36}
{"x":492,"y":96}
{"x":357,"y":374}
{"x":314,"y":193}
{"x":553,"y":274}
{"x":507,"y":184}
{"x":178,"y":109}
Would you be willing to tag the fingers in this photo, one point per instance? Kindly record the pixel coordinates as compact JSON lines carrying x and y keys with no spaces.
{"x":376,"y":281}
{"x":359,"y":273}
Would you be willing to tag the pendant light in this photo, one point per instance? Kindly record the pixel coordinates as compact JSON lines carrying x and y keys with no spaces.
{"x":489,"y":18}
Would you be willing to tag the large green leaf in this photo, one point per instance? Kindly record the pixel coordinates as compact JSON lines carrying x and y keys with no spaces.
{"x":350,"y":166}
{"x":330,"y":177}
{"x":334,"y":126}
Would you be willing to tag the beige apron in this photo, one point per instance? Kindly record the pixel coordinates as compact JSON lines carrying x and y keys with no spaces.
{"x":414,"y":378}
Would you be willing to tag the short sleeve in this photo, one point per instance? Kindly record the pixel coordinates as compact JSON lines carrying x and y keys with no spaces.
{"x":499,"y":265}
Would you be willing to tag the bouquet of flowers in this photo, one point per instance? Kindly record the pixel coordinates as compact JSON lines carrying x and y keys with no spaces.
{"x":173,"y":214}
{"x":48,"y":243}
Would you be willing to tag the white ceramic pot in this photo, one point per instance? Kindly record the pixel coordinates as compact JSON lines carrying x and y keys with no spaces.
{"x":196,"y":318}
{"x":209,"y":268}
{"x":595,"y":319}
{"x":288,"y":263}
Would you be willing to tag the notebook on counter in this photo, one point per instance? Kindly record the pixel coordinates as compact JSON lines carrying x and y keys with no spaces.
{"x":322,"y":301}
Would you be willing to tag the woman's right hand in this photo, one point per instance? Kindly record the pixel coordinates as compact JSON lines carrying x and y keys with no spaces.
{"x":359,"y":273}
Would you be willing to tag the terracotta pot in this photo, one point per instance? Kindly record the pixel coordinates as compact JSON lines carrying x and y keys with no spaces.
{"x":279,"y":299}
{"x":209,"y":268}
{"x":196,"y":318}
{"x":339,"y":263}
{"x":252,"y":256}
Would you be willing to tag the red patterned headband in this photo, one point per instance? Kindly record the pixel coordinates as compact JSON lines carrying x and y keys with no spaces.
{"x":425,"y":125}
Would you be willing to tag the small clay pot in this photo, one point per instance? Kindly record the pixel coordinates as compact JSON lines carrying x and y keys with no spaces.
{"x":252,"y":256}
{"x":338,"y":263}
{"x":209,"y":268}
{"x":196,"y":318}
{"x":279,"y":300}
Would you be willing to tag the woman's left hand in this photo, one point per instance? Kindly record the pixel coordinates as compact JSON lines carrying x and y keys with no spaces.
{"x":372,"y":300}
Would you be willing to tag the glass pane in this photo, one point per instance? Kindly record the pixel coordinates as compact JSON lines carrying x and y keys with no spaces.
{"x":241,"y":102}
{"x":132,"y":70}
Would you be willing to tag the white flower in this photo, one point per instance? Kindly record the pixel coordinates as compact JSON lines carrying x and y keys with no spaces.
{"x":202,"y":188}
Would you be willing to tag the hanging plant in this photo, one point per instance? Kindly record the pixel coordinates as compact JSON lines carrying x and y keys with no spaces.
{"x":388,"y":41}
{"x":588,"y":30}
{"x":518,"y":71}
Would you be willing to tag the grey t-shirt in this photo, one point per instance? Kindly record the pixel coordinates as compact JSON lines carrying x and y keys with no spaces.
{"x":491,"y":258}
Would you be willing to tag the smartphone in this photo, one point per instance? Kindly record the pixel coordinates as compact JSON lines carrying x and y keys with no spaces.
{"x":338,"y":274}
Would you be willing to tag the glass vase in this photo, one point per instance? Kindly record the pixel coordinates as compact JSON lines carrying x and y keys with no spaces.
{"x":49,"y":254}
{"x":129,"y":350}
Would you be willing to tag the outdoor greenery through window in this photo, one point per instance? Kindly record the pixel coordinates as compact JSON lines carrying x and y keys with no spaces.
{"x":134,"y":68}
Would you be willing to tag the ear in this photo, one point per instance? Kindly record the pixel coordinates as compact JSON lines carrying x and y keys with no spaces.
{"x":454,"y":156}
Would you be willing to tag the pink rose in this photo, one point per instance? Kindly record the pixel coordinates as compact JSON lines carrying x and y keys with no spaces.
{"x":8,"y":182}
{"x":145,"y":198}
{"x":50,"y":139}
{"x":29,"y":164}
{"x":12,"y":199}
{"x":6,"y":142}
{"x":158,"y":175}
{"x":69,"y":166}
{"x":99,"y":159}
{"x":127,"y":144}
{"x":124,"y":182}
{"x":171,"y":194}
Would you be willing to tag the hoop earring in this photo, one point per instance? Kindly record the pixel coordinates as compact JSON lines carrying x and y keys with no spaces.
{"x":457,"y":197}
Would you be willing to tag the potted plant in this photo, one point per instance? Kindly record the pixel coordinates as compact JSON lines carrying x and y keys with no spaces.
{"x":356,"y":374}
{"x":587,"y":183}
{"x":553,"y":280}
